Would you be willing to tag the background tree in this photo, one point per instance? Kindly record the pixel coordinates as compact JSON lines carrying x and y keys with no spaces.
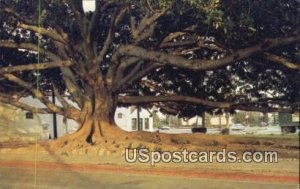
{"x":173,"y":121}
{"x":248,"y":118}
{"x":185,"y":57}
{"x":157,"y":122}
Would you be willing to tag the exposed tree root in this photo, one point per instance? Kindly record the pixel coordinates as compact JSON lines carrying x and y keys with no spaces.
{"x":105,"y":135}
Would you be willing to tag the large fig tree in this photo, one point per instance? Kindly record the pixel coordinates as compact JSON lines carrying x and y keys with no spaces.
{"x":185,"y":57}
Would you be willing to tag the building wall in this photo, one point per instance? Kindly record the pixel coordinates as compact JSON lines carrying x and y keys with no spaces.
{"x":215,"y":120}
{"x":13,"y":120}
{"x":197,"y":120}
{"x":63,"y":125}
{"x":123,"y":118}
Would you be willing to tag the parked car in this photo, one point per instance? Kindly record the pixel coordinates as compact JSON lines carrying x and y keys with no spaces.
{"x":237,"y":127}
{"x":289,"y":122}
{"x":263,"y":124}
{"x":164,"y":128}
{"x":199,"y":130}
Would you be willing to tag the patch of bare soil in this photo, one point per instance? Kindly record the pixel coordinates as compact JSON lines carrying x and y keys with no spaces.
{"x":257,"y":177}
{"x":287,"y":147}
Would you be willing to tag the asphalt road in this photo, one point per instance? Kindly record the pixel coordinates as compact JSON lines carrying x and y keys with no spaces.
{"x":19,"y":178}
{"x":248,"y":130}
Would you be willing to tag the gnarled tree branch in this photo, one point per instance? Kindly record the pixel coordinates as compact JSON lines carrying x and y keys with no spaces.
{"x":195,"y":100}
{"x":24,"y":106}
{"x":283,"y":61}
{"x":35,"y":66}
{"x":164,"y":58}
{"x":135,"y":76}
{"x":70,"y":112}
{"x":68,"y":76}
{"x":29,"y":47}
{"x":37,"y":93}
{"x":99,"y":9}
{"x":51,"y":33}
{"x":171,"y":98}
{"x":110,"y":36}
{"x":18,"y":16}
{"x":146,"y":26}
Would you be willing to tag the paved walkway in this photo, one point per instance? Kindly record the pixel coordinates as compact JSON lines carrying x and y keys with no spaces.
{"x":16,"y":178}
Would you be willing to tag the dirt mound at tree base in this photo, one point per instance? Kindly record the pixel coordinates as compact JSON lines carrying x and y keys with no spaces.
{"x":286,"y":146}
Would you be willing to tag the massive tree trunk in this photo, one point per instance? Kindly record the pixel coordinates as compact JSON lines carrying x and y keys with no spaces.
{"x":97,"y":128}
{"x":96,"y":121}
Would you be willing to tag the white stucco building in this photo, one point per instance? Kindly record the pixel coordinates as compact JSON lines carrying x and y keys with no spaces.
{"x":17,"y":121}
{"x":127,"y":119}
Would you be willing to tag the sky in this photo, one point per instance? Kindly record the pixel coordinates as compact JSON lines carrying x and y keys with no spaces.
{"x":88,"y":5}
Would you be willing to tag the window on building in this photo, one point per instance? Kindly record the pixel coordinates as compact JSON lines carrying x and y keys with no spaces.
{"x":45,"y":127}
{"x":134,"y":123}
{"x":119,"y":115}
{"x":141,"y":123}
{"x":146,"y":123}
{"x":29,"y":115}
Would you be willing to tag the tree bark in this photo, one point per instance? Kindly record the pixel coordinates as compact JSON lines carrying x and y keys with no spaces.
{"x":203,"y":120}
{"x":227,"y":115}
{"x":96,"y":121}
